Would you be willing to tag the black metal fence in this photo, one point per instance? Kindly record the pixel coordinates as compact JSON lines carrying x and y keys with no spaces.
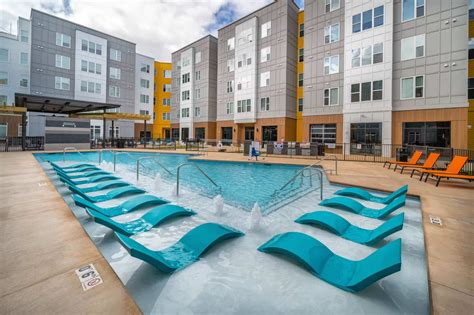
{"x":10,"y":144}
{"x":113,"y":143}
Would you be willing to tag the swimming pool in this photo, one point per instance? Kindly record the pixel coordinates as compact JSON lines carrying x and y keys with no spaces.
{"x":240,"y":184}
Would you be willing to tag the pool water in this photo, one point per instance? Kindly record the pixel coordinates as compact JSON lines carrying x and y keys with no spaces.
{"x":240,"y":184}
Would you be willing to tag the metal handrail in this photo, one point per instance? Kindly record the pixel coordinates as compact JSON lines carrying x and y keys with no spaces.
{"x":68,"y":149}
{"x":153,"y":158}
{"x":323,"y":158}
{"x":198,"y":168}
{"x":300,"y":172}
{"x":115,"y":156}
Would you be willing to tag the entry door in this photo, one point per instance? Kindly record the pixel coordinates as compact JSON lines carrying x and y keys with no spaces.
{"x":250,"y":133}
{"x":167,"y":134}
{"x":184,"y":134}
{"x":270,"y":133}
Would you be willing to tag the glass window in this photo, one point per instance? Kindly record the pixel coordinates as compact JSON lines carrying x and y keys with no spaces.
{"x":230,"y":65}
{"x":366,"y":133}
{"x":300,"y":104}
{"x":366,"y":55}
{"x":92,"y":47}
{"x":355,"y":58}
{"x":378,"y":53}
{"x":434,"y":134}
{"x":83,"y":65}
{"x":331,"y":64}
{"x":378,"y":16}
{"x":24,"y":36}
{"x":412,"y":9}
{"x":231,"y":43}
{"x":470,"y":88}
{"x":3,"y":55}
{"x":197,"y":75}
{"x":197,"y":94}
{"x":355,"y":92}
{"x":420,"y":45}
{"x":186,"y":78}
{"x":115,"y":55}
{"x":331,"y":96}
{"x":145,"y":83}
{"x":3,"y":78}
{"x":167,"y":74}
{"x":366,"y":91}
{"x":84,"y":45}
{"x":98,"y":68}
{"x":166,"y":87}
{"x":331,"y":33}
{"x":356,"y":23}
{"x":63,"y":40}
{"x":301,"y":27}
{"x":412,"y":87}
{"x":23,"y":58}
{"x":98,"y":49}
{"x":264,"y":104}
{"x":265,"y":79}
{"x":419,"y":86}
{"x":230,"y":108}
{"x":301,"y":55}
{"x":3,"y":130}
{"x":377,"y":90}
{"x":413,"y":47}
{"x":144,"y":98}
{"x":115,"y":73}
{"x":90,"y":87}
{"x":332,"y":5}
{"x":264,"y":54}
{"x":300,"y":79}
{"x":98,"y":88}
{"x":322,"y":133}
{"x":471,"y":47}
{"x":185,"y":95}
{"x":166,"y":102}
{"x":63,"y":62}
{"x":197,"y":111}
{"x":197,"y":57}
{"x":24,"y":82}
{"x":266,"y":29}
{"x":83,"y":86}
{"x":114,"y":91}
{"x":230,"y":86}
{"x":145,"y":68}
{"x":3,"y":100}
{"x":61,"y":83}
{"x":367,"y":20}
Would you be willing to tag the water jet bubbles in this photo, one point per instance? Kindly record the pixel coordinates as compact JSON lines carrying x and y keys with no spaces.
{"x":219,"y":205}
{"x":255,"y":218}
{"x":157,"y":182}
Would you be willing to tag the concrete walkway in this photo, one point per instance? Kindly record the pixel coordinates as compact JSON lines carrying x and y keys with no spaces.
{"x":42,"y":243}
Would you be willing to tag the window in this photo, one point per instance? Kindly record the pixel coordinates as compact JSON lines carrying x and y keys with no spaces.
{"x":145,"y":68}
{"x":301,"y":28}
{"x":197,"y":111}
{"x":230,"y":86}
{"x":377,"y":90}
{"x":167,"y":74}
{"x":433,"y":133}
{"x":244,"y":106}
{"x":332,"y":5}
{"x":3,"y":100}
{"x":115,"y":55}
{"x":369,"y":55}
{"x":366,"y":91}
{"x":301,"y":54}
{"x":114,"y":91}
{"x":265,"y":104}
{"x":63,"y":62}
{"x":197,"y":57}
{"x":266,"y":29}
{"x":185,"y":95}
{"x":230,"y":65}
{"x":355,"y":58}
{"x":413,"y":47}
{"x":144,"y":98}
{"x":265,"y":54}
{"x":471,"y":48}
{"x":115,"y":73}
{"x":365,"y":133}
{"x":356,"y":23}
{"x":323,"y":133}
{"x":331,"y":64}
{"x":166,"y":87}
{"x":412,"y":87}
{"x":166,"y":116}
{"x":300,"y":79}
{"x":300,"y":104}
{"x":3,"y":78}
{"x":184,"y":112}
{"x":377,"y":56}
{"x":145,"y":83}
{"x":89,"y":46}
{"x":98,"y":49}
{"x":231,"y":43}
{"x":186,"y":78}
{"x":367,"y":20}
{"x":24,"y":36}
{"x":197,"y":94}
{"x":230,"y":108}
{"x":412,"y":9}
{"x":470,"y":88}
{"x":84,"y":45}
{"x":197,"y":75}
{"x":23,"y":58}
{"x":166,"y":102}
{"x":83,"y":86}
{"x":366,"y":55}
{"x":265,"y":79}
{"x":3,"y":55}
{"x":355,"y":93}
{"x":331,"y":96}
{"x":378,"y":16}
{"x":61,"y":83}
{"x":3,"y":130}
{"x":24,"y":83}
{"x":63,"y":40}
{"x":331,"y":33}
{"x":91,"y":87}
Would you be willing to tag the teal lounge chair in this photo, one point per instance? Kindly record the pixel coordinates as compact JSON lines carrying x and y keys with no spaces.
{"x":352,"y":205}
{"x":84,"y":174}
{"x":183,"y":253}
{"x":365,"y":195}
{"x":75,"y":170}
{"x":89,"y":180}
{"x":152,"y":218}
{"x":103,"y":185}
{"x":114,"y":193}
{"x":343,"y":273}
{"x":130,"y":205}
{"x":339,"y":226}
{"x":71,"y":166}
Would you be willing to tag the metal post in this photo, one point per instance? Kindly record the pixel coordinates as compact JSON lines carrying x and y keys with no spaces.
{"x":144,"y":134}
{"x":115,"y":159}
{"x":177,"y":181}
{"x":104,"y":131}
{"x":113,"y":133}
{"x":138,"y":169}
{"x":100,"y":157}
{"x":23,"y":131}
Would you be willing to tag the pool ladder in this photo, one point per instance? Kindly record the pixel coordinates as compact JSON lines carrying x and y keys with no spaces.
{"x":178,"y":169}
{"x":303,"y":173}
{"x":153,"y":158}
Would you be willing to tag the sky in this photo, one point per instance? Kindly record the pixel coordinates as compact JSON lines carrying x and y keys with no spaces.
{"x":158,"y":27}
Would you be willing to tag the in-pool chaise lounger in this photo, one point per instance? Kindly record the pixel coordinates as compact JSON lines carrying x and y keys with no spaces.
{"x":112,"y":194}
{"x":413,"y":160}
{"x":83,"y":174}
{"x":71,"y":166}
{"x":352,"y":205}
{"x":130,"y":205}
{"x":183,"y":253}
{"x":340,"y":226}
{"x":151,"y":219}
{"x":75,"y":170}
{"x":101,"y":186}
{"x":365,"y":195}
{"x":343,"y":273}
{"x":89,"y":180}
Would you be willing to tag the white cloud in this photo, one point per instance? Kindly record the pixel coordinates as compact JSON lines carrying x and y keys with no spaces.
{"x":158,"y":27}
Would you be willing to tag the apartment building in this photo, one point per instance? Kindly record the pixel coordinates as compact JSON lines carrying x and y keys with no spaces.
{"x":162,"y":101}
{"x":14,"y":73}
{"x":470,"y":86}
{"x":144,"y":93}
{"x":385,"y":72}
{"x":300,"y":78}
{"x":257,"y":67}
{"x":194,"y":86}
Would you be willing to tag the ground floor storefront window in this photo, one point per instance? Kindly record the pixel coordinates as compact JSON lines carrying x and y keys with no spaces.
{"x":200,"y":133}
{"x":322,"y":133}
{"x":433,"y":134}
{"x":226,"y":133}
{"x":184,"y":134}
{"x":270,"y":133}
{"x":175,"y":134}
{"x":366,"y":138}
{"x":249,"y":133}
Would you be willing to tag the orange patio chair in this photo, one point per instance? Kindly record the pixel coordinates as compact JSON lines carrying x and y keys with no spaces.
{"x":453,"y":168}
{"x":448,"y":176}
{"x":429,"y":163}
{"x":413,"y":160}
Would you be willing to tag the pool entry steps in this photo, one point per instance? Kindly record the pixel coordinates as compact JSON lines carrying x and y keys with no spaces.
{"x":343,"y":273}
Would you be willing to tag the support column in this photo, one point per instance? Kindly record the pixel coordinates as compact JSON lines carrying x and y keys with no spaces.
{"x":113,"y":133}
{"x":23,"y":131}
{"x":104,"y":131}
{"x":144,"y":134}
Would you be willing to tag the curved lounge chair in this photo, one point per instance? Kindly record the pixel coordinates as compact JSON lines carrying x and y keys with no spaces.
{"x":343,"y":273}
{"x":339,"y":226}
{"x":152,"y":218}
{"x":98,"y":187}
{"x":114,"y":193}
{"x":75,"y":170}
{"x":130,"y":205}
{"x":90,"y":180}
{"x":352,"y":205}
{"x":71,"y":166}
{"x":84,"y":174}
{"x":365,"y":195}
{"x":183,"y":253}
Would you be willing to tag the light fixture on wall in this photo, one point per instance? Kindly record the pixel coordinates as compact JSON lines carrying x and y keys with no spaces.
{"x":257,"y":129}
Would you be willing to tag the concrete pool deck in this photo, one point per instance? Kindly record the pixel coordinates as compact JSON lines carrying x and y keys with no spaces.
{"x":38,"y":270}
